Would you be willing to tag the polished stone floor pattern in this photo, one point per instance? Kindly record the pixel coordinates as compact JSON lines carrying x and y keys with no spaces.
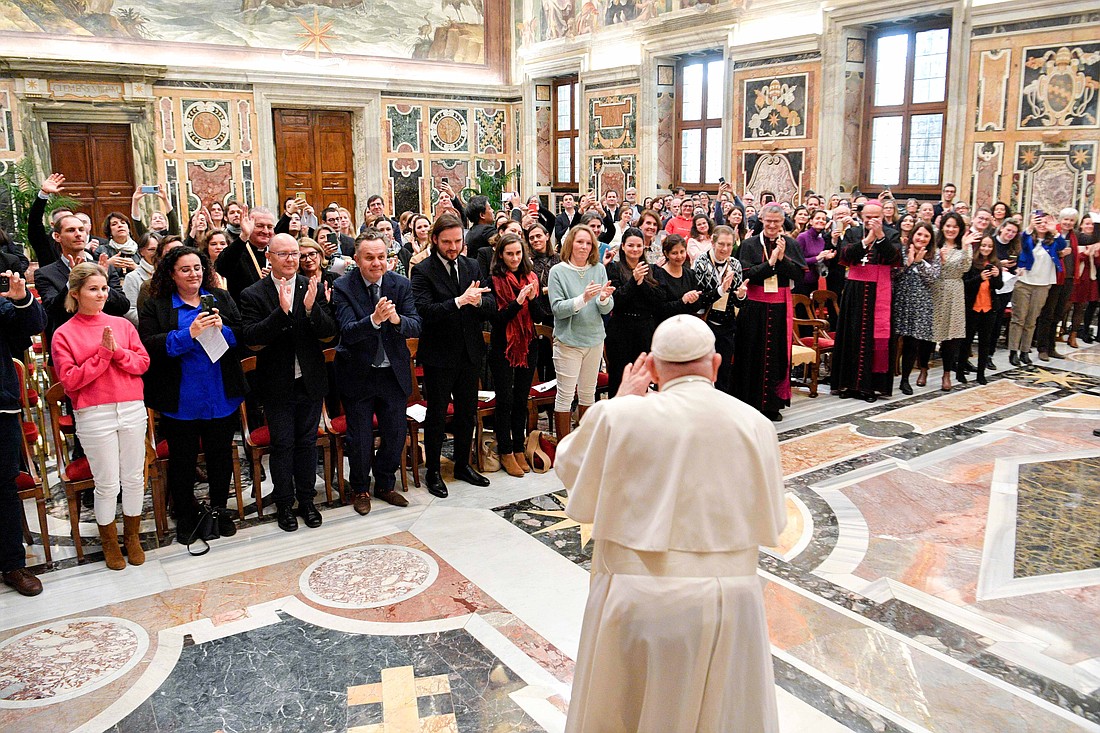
{"x":940,"y":571}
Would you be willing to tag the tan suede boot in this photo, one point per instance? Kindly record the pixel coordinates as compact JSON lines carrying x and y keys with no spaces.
{"x":508,"y":463}
{"x":112,"y":553}
{"x":563,"y":423}
{"x":521,"y":459}
{"x":131,"y":538}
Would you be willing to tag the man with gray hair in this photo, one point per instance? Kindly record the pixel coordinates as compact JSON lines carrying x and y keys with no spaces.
{"x":1054,"y":310}
{"x":674,"y":636}
{"x":242,"y":262}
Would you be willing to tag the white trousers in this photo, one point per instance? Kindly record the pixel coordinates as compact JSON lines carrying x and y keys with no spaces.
{"x":113,"y":436}
{"x":577,"y":369}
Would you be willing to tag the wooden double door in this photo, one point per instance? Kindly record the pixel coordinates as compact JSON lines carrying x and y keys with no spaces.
{"x":313,"y":154}
{"x":97,"y":161}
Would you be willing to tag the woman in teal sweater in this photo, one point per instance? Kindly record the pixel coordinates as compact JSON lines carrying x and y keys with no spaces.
{"x":580,"y":296}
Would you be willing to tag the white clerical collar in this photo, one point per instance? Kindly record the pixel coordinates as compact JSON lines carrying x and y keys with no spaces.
{"x":686,"y":380}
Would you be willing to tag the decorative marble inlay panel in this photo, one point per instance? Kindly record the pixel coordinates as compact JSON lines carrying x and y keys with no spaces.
{"x":1059,"y":85}
{"x":612,"y":173}
{"x":1057,"y":516}
{"x":543,"y":146}
{"x":65,"y":659}
{"x":775,"y":107}
{"x":369,"y":577}
{"x":206,"y":126}
{"x":780,"y":173}
{"x":86,"y":90}
{"x":248,"y":183}
{"x":985,"y":179}
{"x":449,"y":130}
{"x":404,"y":127}
{"x":457,"y":173}
{"x":612,"y":122}
{"x":244,"y":124}
{"x":404,"y":180}
{"x":958,"y":407}
{"x":666,"y":135}
{"x":1051,"y":177}
{"x":208,"y":180}
{"x":490,"y":131}
{"x":166,"y":111}
{"x":993,"y":70}
{"x":171,"y":175}
{"x":826,"y":447}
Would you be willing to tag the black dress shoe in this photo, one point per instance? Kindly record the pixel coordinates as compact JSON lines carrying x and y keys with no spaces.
{"x":989,"y":365}
{"x":307,"y":510}
{"x":470,"y":476}
{"x":285,"y":516}
{"x":24,"y":582}
{"x":905,"y":387}
{"x":1025,"y":358}
{"x":1014,"y":359}
{"x":1096,"y":432}
{"x":872,"y":397}
{"x":774,"y":416}
{"x":960,"y":377}
{"x":436,"y":486}
{"x":982,"y":379}
{"x":967,"y":367}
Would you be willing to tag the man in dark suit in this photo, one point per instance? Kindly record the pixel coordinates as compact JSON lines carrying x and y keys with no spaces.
{"x":567,"y":219}
{"x":242,"y":262}
{"x":331,"y":217}
{"x":452,"y":305}
{"x":52,"y":281}
{"x":479,"y":212}
{"x":285,"y":319}
{"x":376,"y":313}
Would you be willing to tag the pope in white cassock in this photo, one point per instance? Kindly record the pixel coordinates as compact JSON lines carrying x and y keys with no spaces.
{"x":681,"y":487}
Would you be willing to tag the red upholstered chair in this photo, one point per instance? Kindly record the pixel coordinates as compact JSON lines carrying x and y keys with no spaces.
{"x":826,"y":306}
{"x":257,"y":443}
{"x":540,"y":399}
{"x":33,"y":431}
{"x":29,"y":485}
{"x":76,"y":475}
{"x":811,"y":333}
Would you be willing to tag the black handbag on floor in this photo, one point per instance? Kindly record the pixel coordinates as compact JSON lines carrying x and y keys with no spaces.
{"x":206,"y":529}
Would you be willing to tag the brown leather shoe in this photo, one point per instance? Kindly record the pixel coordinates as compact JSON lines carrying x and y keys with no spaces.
{"x":362,"y":503}
{"x":24,"y":582}
{"x":922,"y":378}
{"x":521,"y":459}
{"x":392,"y":497}
{"x":112,"y":553}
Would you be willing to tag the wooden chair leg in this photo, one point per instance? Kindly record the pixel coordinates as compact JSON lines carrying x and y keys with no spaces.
{"x":340,"y":487}
{"x":74,"y":522}
{"x":237,"y":483}
{"x":414,"y":439}
{"x":27,"y":538}
{"x":257,"y":490}
{"x":40,"y":503}
{"x":160,"y":503}
{"x":327,"y":451}
{"x":405,"y":465}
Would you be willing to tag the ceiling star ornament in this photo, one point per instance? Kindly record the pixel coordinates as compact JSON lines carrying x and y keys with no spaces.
{"x":1065,"y":379}
{"x":316,"y":35}
{"x":565,"y":523}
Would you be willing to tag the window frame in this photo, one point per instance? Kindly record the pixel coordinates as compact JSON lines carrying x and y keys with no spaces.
{"x":573,"y":133}
{"x":703,"y":124}
{"x":906,"y":110}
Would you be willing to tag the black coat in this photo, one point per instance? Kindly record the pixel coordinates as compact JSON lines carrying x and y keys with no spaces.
{"x":18,"y":322}
{"x":162,"y":382}
{"x":563,"y":223}
{"x":754,"y":262}
{"x":237,"y":266}
{"x":279,"y":337}
{"x":359,"y":337}
{"x":450,"y":336}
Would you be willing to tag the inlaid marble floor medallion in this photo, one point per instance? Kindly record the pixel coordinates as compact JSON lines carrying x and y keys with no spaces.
{"x":65,"y":659}
{"x":369,"y":577}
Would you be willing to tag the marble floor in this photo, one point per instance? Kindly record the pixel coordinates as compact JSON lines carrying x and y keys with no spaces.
{"x":940,"y":571}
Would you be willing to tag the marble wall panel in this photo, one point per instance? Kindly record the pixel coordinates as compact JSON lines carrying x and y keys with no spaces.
{"x":544,"y":153}
{"x":490,"y":131}
{"x":612,"y":173}
{"x":666,"y":136}
{"x":993,"y":73}
{"x":612,"y":143}
{"x":771,"y":104}
{"x":403,"y":122}
{"x":985,"y":177}
{"x":1059,"y":86}
{"x":1051,"y":177}
{"x":208,"y":180}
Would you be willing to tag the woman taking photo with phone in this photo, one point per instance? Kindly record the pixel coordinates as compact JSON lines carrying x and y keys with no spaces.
{"x":99,"y":360}
{"x":197,"y":395}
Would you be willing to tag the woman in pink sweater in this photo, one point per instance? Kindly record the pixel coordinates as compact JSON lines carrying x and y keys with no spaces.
{"x":100,"y":360}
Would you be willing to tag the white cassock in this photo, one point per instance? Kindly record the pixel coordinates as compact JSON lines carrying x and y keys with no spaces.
{"x":681,"y":488}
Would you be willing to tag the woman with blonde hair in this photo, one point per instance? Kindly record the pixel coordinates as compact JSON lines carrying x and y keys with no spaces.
{"x":580,"y":296}
{"x":99,"y":360}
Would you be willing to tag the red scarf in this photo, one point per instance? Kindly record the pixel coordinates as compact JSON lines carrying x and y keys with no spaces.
{"x":521,"y":329}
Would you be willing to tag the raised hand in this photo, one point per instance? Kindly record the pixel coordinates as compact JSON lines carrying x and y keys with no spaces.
{"x":606,"y":291}
{"x":17,"y":286}
{"x":591,"y":290}
{"x":727,"y":280}
{"x":640,"y":271}
{"x":636,"y":377}
{"x":691,"y":296}
{"x":285,"y":289}
{"x":104,"y":261}
{"x":53,"y":184}
{"x":247,"y":224}
{"x":609,"y":255}
{"x":473,"y":294}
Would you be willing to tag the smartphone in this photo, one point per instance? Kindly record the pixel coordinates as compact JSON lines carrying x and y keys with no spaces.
{"x":5,"y":283}
{"x":721,"y":179}
{"x":443,"y":180}
{"x":300,"y":195}
{"x":207,"y":303}
{"x":333,"y":238}
{"x":533,"y":208}
{"x":151,"y":189}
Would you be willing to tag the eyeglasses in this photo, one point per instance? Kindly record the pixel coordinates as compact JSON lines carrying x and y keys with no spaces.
{"x":286,"y":255}
{"x":314,"y":255}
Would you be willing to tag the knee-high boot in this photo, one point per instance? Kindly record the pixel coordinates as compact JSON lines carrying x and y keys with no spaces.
{"x":563,"y":423}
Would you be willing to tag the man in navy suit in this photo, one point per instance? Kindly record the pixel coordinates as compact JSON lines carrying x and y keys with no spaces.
{"x":376,"y":313}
